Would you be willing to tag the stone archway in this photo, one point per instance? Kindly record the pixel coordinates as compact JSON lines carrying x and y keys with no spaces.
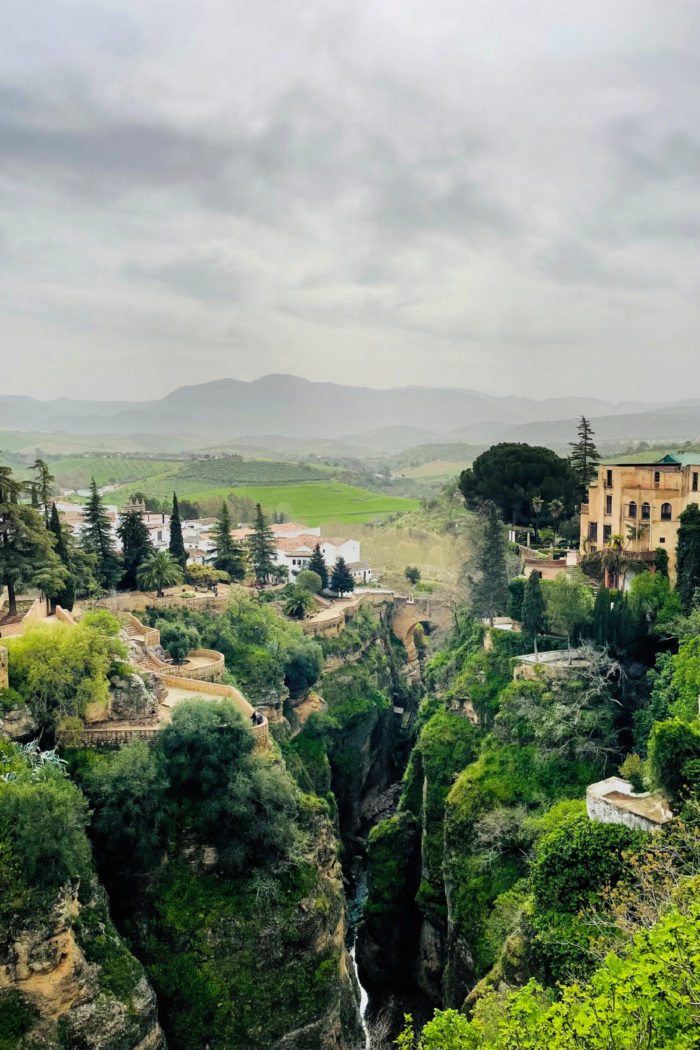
{"x":409,"y":612}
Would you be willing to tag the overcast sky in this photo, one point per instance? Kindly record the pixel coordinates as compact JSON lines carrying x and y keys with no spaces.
{"x":500,"y":195}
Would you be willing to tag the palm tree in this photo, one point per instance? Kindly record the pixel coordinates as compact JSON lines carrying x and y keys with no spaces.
{"x":157,"y":571}
{"x":298,"y":603}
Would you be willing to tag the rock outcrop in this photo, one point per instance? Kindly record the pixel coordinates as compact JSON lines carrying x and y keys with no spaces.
{"x":72,"y":979}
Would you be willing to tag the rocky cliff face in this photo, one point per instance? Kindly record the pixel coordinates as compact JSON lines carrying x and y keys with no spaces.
{"x":68,"y":980}
{"x":259,"y":963}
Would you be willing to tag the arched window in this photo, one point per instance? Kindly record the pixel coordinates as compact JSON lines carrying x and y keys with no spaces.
{"x":646,"y":512}
{"x":666,"y":512}
{"x":633,"y":509}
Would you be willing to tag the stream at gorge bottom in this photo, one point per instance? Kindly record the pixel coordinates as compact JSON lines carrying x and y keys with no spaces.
{"x":382,"y":1008}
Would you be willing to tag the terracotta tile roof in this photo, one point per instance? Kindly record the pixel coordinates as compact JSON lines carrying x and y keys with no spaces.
{"x":292,"y":544}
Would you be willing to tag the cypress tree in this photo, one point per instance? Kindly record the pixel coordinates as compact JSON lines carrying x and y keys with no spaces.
{"x":261,"y":545}
{"x":96,"y":539}
{"x":584,"y":456}
{"x":229,"y":556}
{"x":342,"y":581}
{"x":177,"y":544}
{"x":533,"y":608}
{"x":66,"y":598}
{"x":136,"y":546}
{"x":489,"y":578}
{"x":688,"y":555}
{"x":317,"y":563}
{"x":600,"y":624}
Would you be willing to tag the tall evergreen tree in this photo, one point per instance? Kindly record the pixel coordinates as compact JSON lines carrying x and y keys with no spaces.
{"x":688,"y":555}
{"x":229,"y":556}
{"x":342,"y":580}
{"x":488,"y":575}
{"x":533,"y":610}
{"x":66,"y":598}
{"x":601,"y":626}
{"x":584,"y":456}
{"x":26,"y":548}
{"x":43,"y":483}
{"x":261,"y":544}
{"x":136,"y":546}
{"x":317,"y":563}
{"x":96,"y":539}
{"x":177,"y":544}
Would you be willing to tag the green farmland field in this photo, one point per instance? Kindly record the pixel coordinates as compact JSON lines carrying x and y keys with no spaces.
{"x":74,"y":472}
{"x":313,"y":503}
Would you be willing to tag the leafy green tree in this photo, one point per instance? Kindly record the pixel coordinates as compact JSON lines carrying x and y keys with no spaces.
{"x":584,"y":457}
{"x":568,"y":607}
{"x":96,"y":539}
{"x":688,"y":555}
{"x":178,"y":639}
{"x":66,"y":597}
{"x":512,"y":475}
{"x":298,"y":603}
{"x":206,"y":575}
{"x":59,"y":670}
{"x":412,"y":574}
{"x":674,"y":751}
{"x":228,"y":557}
{"x":317,"y":563}
{"x":487,"y":573}
{"x":136,"y":546}
{"x":157,"y":571}
{"x":189,"y":510}
{"x":239,"y":803}
{"x":516,"y":593}
{"x":43,"y":487}
{"x":177,"y":544}
{"x":26,"y":547}
{"x":303,"y":666}
{"x":309,"y":580}
{"x":533,"y":608}
{"x":127,"y":790}
{"x":44,"y":821}
{"x":261,"y":545}
{"x":661,"y":561}
{"x":342,"y":581}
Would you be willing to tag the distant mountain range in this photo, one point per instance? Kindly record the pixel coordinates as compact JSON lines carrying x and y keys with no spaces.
{"x":352,"y":417}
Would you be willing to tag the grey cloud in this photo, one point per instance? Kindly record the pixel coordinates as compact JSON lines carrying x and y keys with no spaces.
{"x":365,"y":191}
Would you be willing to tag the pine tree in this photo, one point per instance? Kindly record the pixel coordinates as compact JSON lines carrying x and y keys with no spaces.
{"x":488,"y":575}
{"x":136,"y":546}
{"x":96,"y":539}
{"x":317,"y":563}
{"x":342,"y":580}
{"x":533,"y":610}
{"x":261,"y":545}
{"x":584,"y":456}
{"x":25,"y":544}
{"x":66,"y":599}
{"x":688,"y":555}
{"x":229,"y":556}
{"x":177,"y":544}
{"x":42,"y":486}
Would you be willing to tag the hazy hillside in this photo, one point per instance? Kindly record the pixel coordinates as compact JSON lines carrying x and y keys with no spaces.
{"x":287,"y":405}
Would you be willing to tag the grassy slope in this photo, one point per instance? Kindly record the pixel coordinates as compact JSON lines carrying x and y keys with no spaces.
{"x":314,"y":504}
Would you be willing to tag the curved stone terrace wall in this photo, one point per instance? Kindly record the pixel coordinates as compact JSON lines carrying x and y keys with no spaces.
{"x":209,"y":668}
{"x":227,"y":692}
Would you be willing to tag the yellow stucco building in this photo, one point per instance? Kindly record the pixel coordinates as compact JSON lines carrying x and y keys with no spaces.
{"x":640,"y":502}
